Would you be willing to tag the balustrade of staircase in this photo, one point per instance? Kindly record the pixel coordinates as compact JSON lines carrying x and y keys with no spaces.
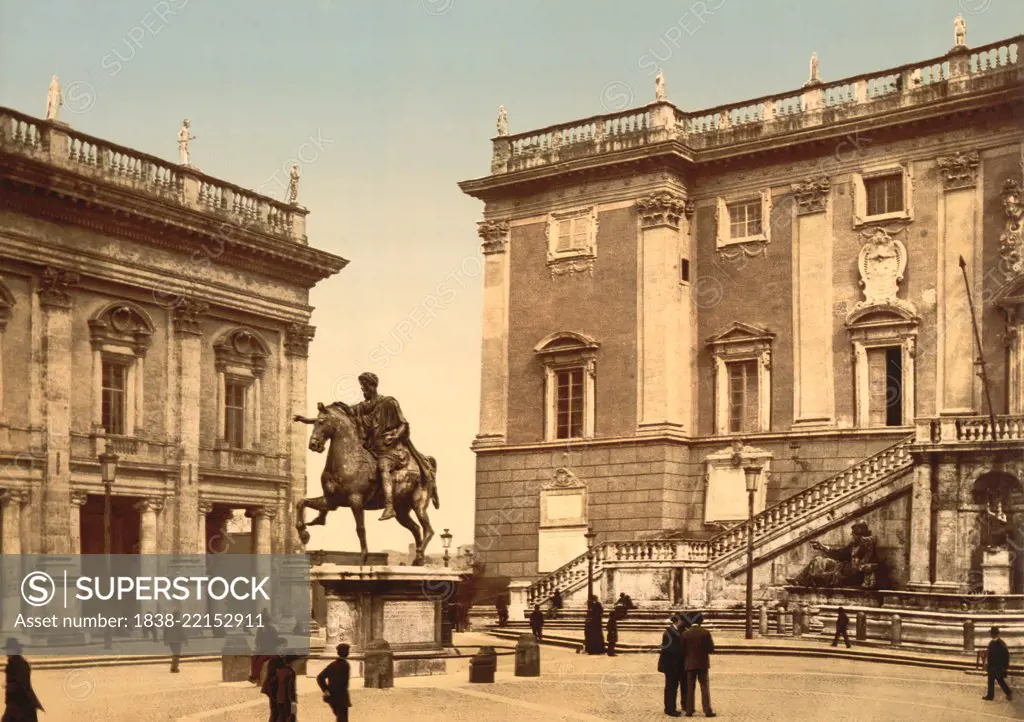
{"x":810,"y":501}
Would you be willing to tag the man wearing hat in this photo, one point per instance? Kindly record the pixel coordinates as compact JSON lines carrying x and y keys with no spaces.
{"x":333,"y":682}
{"x":670,"y":663}
{"x":697,"y":648}
{"x":20,"y":701}
{"x":269,"y":684}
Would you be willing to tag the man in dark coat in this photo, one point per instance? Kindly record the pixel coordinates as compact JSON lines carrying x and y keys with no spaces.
{"x":502,"y":610}
{"x":613,"y":629}
{"x":266,"y":646}
{"x":670,"y":664}
{"x":593,"y":631}
{"x":287,"y":694}
{"x":269,"y":687}
{"x":537,"y":622}
{"x":998,"y":665}
{"x":333,"y":682}
{"x":21,"y":703}
{"x":842,"y":625}
{"x":556,"y":603}
{"x":697,"y":649}
{"x":174,"y":638}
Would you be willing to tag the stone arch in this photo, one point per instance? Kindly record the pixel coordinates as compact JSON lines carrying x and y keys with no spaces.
{"x":122,"y":323}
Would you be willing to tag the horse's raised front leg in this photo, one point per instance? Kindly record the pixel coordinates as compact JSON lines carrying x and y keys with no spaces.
{"x":318,"y":503}
{"x":357,"y":514}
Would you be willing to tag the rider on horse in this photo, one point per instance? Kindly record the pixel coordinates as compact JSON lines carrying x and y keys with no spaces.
{"x":387,"y":438}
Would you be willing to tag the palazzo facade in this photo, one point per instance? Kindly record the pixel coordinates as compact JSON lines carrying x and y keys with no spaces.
{"x":671,"y":295}
{"x":149,"y":310}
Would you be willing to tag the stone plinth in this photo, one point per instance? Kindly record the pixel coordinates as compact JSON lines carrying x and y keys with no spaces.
{"x":400,"y":605}
{"x":995,"y":571}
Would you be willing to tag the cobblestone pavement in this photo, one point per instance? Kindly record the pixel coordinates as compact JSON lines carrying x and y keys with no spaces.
{"x":572,"y":687}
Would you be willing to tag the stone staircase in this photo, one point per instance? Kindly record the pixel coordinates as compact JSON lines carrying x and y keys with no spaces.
{"x":804,"y":515}
{"x":791,"y":521}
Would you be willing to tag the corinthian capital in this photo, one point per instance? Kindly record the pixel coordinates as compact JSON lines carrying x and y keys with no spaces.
{"x":661,"y":209}
{"x":494,"y":234}
{"x":187,"y":312}
{"x":959,"y":171}
{"x":812,"y":195}
{"x":54,"y":285}
{"x":297,"y":338}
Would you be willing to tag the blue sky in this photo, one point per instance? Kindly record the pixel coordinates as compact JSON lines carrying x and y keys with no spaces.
{"x":393,"y":102}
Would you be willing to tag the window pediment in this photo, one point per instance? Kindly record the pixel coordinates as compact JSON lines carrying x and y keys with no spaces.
{"x":565,"y":344}
{"x":122,"y":324}
{"x":741,"y":339}
{"x":242,"y":347}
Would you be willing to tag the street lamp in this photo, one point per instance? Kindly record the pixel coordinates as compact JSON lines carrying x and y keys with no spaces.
{"x":752,"y":474}
{"x":446,"y":541}
{"x":590,"y":536}
{"x":108,"y":472}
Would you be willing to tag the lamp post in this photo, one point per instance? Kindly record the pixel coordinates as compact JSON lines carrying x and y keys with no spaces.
{"x":752,"y":474}
{"x":108,"y":472}
{"x":446,"y":541}
{"x":590,"y":536}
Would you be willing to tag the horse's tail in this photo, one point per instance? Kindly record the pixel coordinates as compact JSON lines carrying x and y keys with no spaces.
{"x":433,"y":487}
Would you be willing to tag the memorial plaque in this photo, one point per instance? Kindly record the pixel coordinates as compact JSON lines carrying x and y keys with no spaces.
{"x":409,"y":622}
{"x":565,"y":506}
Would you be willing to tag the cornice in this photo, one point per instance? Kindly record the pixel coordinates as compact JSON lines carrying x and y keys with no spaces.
{"x":38,"y":189}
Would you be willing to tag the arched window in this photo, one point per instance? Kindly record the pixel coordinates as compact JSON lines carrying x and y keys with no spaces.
{"x":241,"y":355}
{"x":120,"y":334}
{"x":570,"y":367}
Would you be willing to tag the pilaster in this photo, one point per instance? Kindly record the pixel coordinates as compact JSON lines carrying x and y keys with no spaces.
{"x":948,"y":544}
{"x":495,"y":236}
{"x":55,"y":302}
{"x":188,"y":316}
{"x":921,"y":526}
{"x":296,"y":352}
{"x":666,"y":320}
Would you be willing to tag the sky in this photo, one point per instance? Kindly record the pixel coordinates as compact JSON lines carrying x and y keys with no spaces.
{"x":388,"y":104}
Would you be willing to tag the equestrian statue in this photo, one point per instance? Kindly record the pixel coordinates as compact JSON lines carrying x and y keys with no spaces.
{"x":371,"y":464}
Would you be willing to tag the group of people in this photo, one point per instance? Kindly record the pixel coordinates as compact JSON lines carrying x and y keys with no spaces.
{"x":593,"y":639}
{"x":684,"y":659}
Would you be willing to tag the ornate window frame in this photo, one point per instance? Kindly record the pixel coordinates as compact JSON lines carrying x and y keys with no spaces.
{"x":562,"y":351}
{"x":725,"y":483}
{"x":722,"y":222}
{"x":860,"y":198}
{"x":879,"y":327}
{"x":121,"y":332}
{"x":241,"y":355}
{"x":572,"y":260}
{"x":1011,"y":295}
{"x":742,"y":342}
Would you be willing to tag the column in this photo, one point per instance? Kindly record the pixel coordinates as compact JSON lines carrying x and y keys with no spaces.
{"x":495,"y":237}
{"x":13,"y":500}
{"x":921,"y":526}
{"x":221,"y":398}
{"x":297,"y":340}
{"x":129,"y":410}
{"x":261,"y":518}
{"x":813,"y":384}
{"x":55,"y":302}
{"x":665,"y":317}
{"x":147,"y":509}
{"x":257,"y":408}
{"x":188,"y":341}
{"x":97,"y":385}
{"x":78,"y":499}
{"x":947,"y":538}
{"x":139,"y":422}
{"x":205,"y":507}
{"x":959,"y":235}
{"x":5,"y":312}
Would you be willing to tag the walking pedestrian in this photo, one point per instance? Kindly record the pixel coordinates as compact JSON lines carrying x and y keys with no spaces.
{"x":537,"y":622}
{"x":333,"y":682}
{"x":697,"y":649}
{"x":842,"y":625}
{"x":175,"y":637}
{"x":269,"y":686}
{"x":997,"y":665}
{"x":20,"y":701}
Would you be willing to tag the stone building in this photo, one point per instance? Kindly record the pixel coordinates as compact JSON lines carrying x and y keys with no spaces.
{"x":671,"y":296}
{"x":159,"y":313}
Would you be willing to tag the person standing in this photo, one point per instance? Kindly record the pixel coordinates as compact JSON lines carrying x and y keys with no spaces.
{"x":556,"y":603}
{"x":266,"y":646}
{"x":998,"y":664}
{"x":613,"y":629}
{"x":537,"y":622}
{"x":20,"y":701}
{"x":287,"y":695}
{"x":174,"y":638}
{"x":333,"y":682}
{"x":269,"y":686}
{"x":670,"y":664}
{"x":593,"y":634}
{"x":697,"y":649}
{"x":842,"y":625}
{"x":502,"y":610}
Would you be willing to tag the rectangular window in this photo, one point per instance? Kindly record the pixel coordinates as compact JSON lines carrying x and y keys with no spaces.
{"x":884,"y":194}
{"x":115,"y":397}
{"x":569,"y":404}
{"x":885,"y":386}
{"x":684,"y":270}
{"x":743,"y":396}
{"x":234,"y":414}
{"x":572,"y":234}
{"x":745,"y":219}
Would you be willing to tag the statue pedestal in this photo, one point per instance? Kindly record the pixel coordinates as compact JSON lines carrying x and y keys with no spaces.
{"x":401,"y":605}
{"x":995,"y":571}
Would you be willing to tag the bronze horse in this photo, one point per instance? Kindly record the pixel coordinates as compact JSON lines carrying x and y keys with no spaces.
{"x":350,"y":479}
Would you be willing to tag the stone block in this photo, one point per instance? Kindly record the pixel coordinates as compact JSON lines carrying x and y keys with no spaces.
{"x":527,"y":656}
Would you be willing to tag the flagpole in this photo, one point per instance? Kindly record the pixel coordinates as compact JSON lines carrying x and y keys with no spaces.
{"x":981,"y":355}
